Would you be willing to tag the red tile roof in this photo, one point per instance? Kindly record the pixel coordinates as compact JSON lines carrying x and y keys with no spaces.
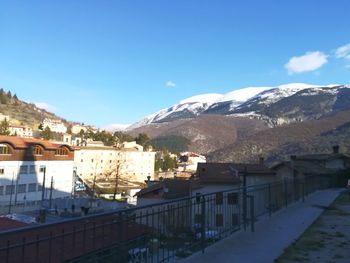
{"x":19,"y":142}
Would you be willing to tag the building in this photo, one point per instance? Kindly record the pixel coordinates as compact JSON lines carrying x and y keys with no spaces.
{"x":26,"y":165}
{"x":188,"y":161}
{"x":326,"y":164}
{"x":4,"y":117}
{"x":54,"y":125}
{"x":21,"y":131}
{"x":76,"y":128}
{"x":129,"y":163}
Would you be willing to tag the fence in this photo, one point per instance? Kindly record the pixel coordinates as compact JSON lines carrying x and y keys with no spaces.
{"x":154,"y":233}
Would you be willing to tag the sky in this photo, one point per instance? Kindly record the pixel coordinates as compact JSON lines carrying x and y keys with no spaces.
{"x":103,"y":62}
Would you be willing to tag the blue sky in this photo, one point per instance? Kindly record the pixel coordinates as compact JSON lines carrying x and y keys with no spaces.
{"x":102,"y":62}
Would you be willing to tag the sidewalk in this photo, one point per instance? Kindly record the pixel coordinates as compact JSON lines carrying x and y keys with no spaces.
{"x":271,"y":236}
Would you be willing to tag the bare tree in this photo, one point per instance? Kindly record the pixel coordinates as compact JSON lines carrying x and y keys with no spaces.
{"x":117,"y":172}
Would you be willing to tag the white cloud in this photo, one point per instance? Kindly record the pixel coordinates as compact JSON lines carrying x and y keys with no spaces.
{"x":45,"y":106}
{"x":170,"y":84}
{"x":308,"y":62}
{"x":343,"y":51}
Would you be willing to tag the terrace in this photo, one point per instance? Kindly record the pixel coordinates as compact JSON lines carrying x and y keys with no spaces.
{"x":156,"y":233}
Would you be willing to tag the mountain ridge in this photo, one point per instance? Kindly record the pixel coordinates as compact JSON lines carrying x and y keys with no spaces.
{"x":237,"y":102}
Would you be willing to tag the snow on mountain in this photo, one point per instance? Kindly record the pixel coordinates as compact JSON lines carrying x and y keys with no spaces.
{"x":273,"y":95}
{"x":237,"y":102}
{"x":282,"y":91}
{"x":242,"y":95}
{"x":204,"y":98}
{"x":192,"y":106}
{"x":115,"y":127}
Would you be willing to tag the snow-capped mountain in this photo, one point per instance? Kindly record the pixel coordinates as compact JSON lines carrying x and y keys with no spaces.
{"x":294,"y":103}
{"x":276,"y":105}
{"x":186,"y":108}
{"x":194,"y":106}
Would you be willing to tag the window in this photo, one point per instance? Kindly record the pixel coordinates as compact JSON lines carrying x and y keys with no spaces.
{"x":232,"y":198}
{"x":23,"y":169}
{"x":62,"y":151}
{"x":1,"y":190}
{"x":81,"y":160}
{"x":219,"y":220}
{"x":10,"y":189}
{"x":5,"y":149}
{"x":219,"y":198}
{"x":37,"y":150}
{"x":22,"y":188}
{"x":2,"y":170}
{"x":92,"y":160}
{"x":40,"y":187}
{"x":32,"y":169}
{"x":31,"y":188}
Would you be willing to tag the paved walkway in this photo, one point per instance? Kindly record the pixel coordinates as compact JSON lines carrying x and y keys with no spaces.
{"x":271,"y":236}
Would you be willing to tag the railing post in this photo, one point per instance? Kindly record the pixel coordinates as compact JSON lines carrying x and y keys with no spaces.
{"x":252,"y":214}
{"x":285,"y":192}
{"x":50,"y":246}
{"x":303,"y":191}
{"x":23,"y":248}
{"x":37,"y":248}
{"x":245,"y":199}
{"x":7,"y":251}
{"x":203,"y":223}
{"x":270,"y":205}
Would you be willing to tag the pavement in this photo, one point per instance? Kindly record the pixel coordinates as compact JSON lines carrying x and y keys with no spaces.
{"x":272,"y":235}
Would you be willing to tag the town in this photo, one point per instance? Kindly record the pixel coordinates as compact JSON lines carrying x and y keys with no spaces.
{"x":70,"y":188}
{"x":174,"y":131}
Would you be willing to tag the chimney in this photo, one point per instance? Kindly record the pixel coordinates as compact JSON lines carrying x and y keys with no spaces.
{"x":261,"y":160}
{"x":336,"y":149}
{"x":148,"y":180}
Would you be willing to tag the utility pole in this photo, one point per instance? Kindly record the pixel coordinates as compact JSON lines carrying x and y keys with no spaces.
{"x":16,"y":189}
{"x":10,"y":205}
{"x":43,"y":168}
{"x":51,"y":186}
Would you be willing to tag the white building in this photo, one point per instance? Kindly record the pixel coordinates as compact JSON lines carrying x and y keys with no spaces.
{"x":26,"y":162}
{"x":4,"y":117}
{"x":188,"y":161}
{"x":54,"y":125}
{"x":76,"y":128}
{"x":21,"y":131}
{"x":131,"y":163}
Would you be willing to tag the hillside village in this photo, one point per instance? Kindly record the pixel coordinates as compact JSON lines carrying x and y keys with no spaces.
{"x":60,"y":170}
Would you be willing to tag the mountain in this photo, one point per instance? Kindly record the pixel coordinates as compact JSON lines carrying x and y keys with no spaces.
{"x":271,"y":121}
{"x":23,"y":113}
{"x":196,"y":105}
{"x":288,"y":103}
{"x":314,"y":136}
{"x":295,"y":103}
{"x":206,"y":132}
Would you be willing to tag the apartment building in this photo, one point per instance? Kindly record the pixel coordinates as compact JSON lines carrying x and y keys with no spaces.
{"x":27,"y":164}
{"x":128,"y":160}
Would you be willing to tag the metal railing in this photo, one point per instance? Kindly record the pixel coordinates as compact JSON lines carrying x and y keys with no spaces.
{"x":154,"y":233}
